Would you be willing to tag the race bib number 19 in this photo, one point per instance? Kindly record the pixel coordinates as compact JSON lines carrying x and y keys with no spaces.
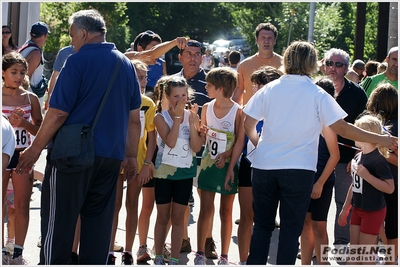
{"x":216,"y":143}
{"x":357,"y":180}
{"x":180,"y":156}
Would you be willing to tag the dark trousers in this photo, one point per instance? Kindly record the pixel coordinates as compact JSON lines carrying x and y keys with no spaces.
{"x":291,"y":189}
{"x":90,"y":193}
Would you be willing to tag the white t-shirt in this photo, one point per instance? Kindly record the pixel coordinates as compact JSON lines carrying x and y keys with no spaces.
{"x":293,"y":109}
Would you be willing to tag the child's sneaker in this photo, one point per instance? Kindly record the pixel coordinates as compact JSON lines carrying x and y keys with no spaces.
{"x":127,"y":258}
{"x":223,"y":261}
{"x":18,"y":261}
{"x":6,"y":258}
{"x":159,"y":261}
{"x":167,"y":252}
{"x":143,"y":254}
{"x":173,"y":262}
{"x":111,"y":259}
{"x":209,"y":249}
{"x":186,"y":247}
{"x":200,"y":260}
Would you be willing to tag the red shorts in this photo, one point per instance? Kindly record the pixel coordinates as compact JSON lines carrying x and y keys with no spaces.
{"x":370,"y":221}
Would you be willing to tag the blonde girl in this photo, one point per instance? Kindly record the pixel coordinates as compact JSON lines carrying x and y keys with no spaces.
{"x":371,"y":178}
{"x":178,"y":140}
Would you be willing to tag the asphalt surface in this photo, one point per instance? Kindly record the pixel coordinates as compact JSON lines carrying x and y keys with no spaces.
{"x":31,"y":251}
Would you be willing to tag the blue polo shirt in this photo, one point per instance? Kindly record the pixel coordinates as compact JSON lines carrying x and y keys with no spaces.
{"x":80,"y":88}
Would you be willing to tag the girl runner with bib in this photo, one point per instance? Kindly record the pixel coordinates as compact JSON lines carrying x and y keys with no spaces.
{"x":220,"y":119}
{"x":24,"y":113}
{"x":178,"y":142}
{"x":371,"y":178}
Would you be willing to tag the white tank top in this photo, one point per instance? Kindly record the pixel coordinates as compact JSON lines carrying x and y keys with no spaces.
{"x":226,"y":123}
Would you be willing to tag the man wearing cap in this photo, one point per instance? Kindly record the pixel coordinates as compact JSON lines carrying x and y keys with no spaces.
{"x":355,"y":73}
{"x":32,"y":51}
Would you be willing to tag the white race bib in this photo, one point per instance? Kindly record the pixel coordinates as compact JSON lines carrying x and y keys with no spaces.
{"x":22,"y":137}
{"x":216,"y":143}
{"x":180,"y":156}
{"x":357,"y":180}
{"x":142,"y":123}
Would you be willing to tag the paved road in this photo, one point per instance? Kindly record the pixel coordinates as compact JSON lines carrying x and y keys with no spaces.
{"x":31,"y":251}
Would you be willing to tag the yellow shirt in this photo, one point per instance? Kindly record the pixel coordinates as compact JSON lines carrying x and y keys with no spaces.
{"x":149,"y":109}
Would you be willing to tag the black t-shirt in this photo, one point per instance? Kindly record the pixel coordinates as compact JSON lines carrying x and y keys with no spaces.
{"x":365,"y":196}
{"x":352,"y":99}
{"x":323,"y":157}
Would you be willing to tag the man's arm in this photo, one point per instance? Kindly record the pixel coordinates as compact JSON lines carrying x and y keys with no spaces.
{"x":131,"y":148}
{"x":158,"y":50}
{"x":354,"y":133}
{"x":53,"y":79}
{"x":238,"y":94}
{"x":53,"y":120}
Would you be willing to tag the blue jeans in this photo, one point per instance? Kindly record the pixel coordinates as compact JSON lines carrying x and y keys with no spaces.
{"x":292,"y":188}
{"x":343,"y":181}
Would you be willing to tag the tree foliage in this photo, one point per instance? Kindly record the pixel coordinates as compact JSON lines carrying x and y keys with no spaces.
{"x":56,"y":15}
{"x":207,"y":21}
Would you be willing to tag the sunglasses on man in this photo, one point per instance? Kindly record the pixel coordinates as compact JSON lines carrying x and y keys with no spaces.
{"x":330,"y":63}
{"x":193,"y":43}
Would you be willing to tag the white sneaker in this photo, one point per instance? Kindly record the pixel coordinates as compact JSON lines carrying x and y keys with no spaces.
{"x":143,"y":254}
{"x":200,"y":260}
{"x":18,"y":261}
{"x":6,"y":258}
{"x":223,"y":261}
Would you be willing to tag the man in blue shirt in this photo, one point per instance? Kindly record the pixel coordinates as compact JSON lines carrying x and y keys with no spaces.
{"x":76,"y":99}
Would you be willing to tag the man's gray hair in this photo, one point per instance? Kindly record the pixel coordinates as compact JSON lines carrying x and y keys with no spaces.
{"x":336,"y":51}
{"x":393,"y":49}
{"x":90,"y":20}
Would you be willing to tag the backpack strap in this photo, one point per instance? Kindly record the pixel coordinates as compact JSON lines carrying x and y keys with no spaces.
{"x":30,"y":46}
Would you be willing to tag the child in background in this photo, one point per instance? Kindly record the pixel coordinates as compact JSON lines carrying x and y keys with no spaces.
{"x":178,"y":140}
{"x":143,"y":254}
{"x":259,"y":78}
{"x":146,"y":147}
{"x":383,"y":101}
{"x":314,"y":234}
{"x":371,"y":178}
{"x":24,"y":113}
{"x":220,"y":119}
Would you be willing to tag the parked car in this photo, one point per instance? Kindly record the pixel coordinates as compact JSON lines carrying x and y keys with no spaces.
{"x":222,"y":46}
{"x":242,"y":44}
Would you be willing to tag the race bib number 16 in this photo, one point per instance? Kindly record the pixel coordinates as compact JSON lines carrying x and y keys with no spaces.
{"x":180,"y":156}
{"x":216,"y":143}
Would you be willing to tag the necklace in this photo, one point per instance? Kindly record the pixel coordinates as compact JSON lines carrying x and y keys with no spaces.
{"x":9,"y":87}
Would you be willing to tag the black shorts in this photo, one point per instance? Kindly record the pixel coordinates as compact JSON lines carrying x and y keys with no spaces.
{"x":178,"y":191}
{"x":244,"y":177}
{"x":319,"y":208}
{"x":391,"y":219}
{"x":14,"y":160}
{"x":149,"y":183}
